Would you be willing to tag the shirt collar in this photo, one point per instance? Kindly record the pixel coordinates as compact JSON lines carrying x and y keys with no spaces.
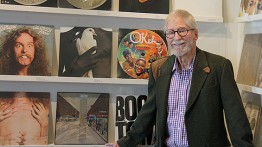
{"x":175,"y":66}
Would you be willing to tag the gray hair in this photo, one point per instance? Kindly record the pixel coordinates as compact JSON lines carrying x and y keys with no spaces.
{"x":185,"y":15}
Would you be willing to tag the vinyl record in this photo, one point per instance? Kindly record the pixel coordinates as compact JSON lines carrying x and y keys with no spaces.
{"x":137,"y":50}
{"x":86,"y":4}
{"x":30,"y":2}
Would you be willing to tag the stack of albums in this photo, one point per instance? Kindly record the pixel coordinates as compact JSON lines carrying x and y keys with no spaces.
{"x":25,"y":119}
{"x":85,"y":52}
{"x":26,"y":45}
{"x":82,"y":118}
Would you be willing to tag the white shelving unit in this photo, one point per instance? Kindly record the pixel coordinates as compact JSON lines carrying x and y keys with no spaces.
{"x":250,"y":18}
{"x":252,"y":89}
{"x":252,"y":25}
{"x":81,"y":18}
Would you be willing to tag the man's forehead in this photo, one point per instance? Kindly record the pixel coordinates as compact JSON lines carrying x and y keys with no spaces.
{"x":176,"y":22}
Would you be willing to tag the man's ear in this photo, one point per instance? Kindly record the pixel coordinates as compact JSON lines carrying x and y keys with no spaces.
{"x":196,"y":34}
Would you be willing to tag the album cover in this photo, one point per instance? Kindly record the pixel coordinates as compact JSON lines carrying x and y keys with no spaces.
{"x":42,"y":3}
{"x":82,"y":118}
{"x":252,"y":103}
{"x":254,"y":119}
{"x":259,"y":7}
{"x":85,"y":52}
{"x":259,"y":70}
{"x":87,"y":4}
{"x":137,"y":49}
{"x":242,"y":8}
{"x":144,"y":6}
{"x":251,"y":7}
{"x":250,"y":58}
{"x":26,"y":49}
{"x":25,"y":119}
{"x":127,"y":109}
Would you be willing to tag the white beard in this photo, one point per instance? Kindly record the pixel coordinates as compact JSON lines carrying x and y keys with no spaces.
{"x":180,"y":52}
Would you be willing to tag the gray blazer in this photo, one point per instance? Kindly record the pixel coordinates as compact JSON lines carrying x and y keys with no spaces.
{"x":213,"y":91}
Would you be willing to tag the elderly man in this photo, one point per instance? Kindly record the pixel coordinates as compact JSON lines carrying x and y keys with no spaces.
{"x":188,"y":93}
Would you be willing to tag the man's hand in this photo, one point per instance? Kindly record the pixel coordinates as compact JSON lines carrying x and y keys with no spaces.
{"x":112,"y":144}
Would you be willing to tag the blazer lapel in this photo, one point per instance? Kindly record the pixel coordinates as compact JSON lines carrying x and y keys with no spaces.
{"x":199,"y":76}
{"x":163,"y":82}
{"x":165,"y":75}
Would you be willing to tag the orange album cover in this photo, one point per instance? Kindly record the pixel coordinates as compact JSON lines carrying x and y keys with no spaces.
{"x":137,"y":50}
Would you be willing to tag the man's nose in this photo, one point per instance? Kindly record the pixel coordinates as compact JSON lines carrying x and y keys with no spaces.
{"x":177,"y":36}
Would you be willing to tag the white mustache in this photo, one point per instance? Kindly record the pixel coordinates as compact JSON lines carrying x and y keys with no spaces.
{"x":178,"y":42}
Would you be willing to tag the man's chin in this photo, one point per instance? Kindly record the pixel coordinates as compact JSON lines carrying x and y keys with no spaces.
{"x":179,"y":53}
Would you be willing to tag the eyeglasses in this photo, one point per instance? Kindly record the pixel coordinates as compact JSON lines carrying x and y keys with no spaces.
{"x":182,"y":32}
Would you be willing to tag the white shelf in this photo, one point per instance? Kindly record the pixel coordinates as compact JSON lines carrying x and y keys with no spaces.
{"x":252,"y":89}
{"x":77,"y":17}
{"x":75,"y":80}
{"x":250,"y":18}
